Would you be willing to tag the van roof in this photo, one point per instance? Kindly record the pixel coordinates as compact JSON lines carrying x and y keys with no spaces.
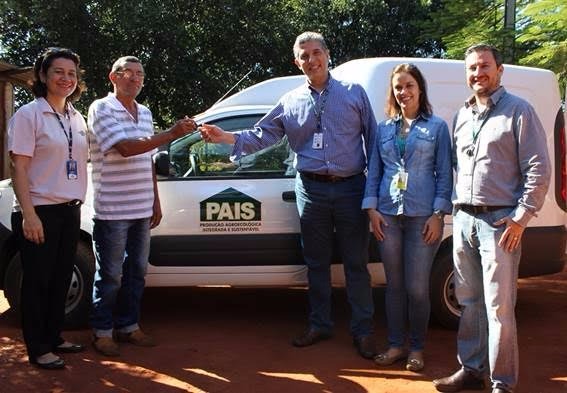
{"x":373,"y":74}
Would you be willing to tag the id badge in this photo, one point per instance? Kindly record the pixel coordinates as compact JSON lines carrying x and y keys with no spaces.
{"x":402,"y":182}
{"x":318,"y":140}
{"x":72,"y":173}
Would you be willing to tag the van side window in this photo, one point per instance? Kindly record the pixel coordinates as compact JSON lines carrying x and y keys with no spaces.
{"x":191,"y":157}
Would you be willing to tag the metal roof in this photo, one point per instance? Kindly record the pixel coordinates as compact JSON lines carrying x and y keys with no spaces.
{"x":14,"y":74}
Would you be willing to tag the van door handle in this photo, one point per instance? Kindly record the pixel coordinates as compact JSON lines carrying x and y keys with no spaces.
{"x":288,"y":196}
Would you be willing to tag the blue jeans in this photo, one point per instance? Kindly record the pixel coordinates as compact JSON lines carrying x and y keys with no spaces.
{"x":486,"y":284}
{"x":407,"y":262}
{"x":121,"y":249}
{"x":326,"y":208}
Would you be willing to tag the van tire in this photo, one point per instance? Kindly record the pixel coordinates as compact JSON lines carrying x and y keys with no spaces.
{"x":444,"y":305}
{"x":79,"y":295}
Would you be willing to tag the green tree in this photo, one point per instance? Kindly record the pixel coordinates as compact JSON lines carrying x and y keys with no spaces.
{"x":195,"y":50}
{"x":364,"y":28}
{"x":192,"y":50}
{"x":458,"y":24}
{"x":540,"y":36}
{"x":544,"y":36}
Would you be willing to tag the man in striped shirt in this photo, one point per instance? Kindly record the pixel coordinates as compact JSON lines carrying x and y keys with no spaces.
{"x":126,"y":204}
{"x":328,"y":124}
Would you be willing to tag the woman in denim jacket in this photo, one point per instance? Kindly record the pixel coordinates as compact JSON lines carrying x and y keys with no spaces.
{"x":408,"y":192}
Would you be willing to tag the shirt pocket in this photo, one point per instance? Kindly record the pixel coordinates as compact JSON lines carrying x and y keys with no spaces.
{"x":424,"y":146}
{"x":389,"y":148}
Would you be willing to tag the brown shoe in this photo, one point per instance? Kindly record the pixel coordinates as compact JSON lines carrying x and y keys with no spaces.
{"x":461,"y":380}
{"x":106,"y":346}
{"x":366,"y":346}
{"x":310,"y":337}
{"x":137,"y":337}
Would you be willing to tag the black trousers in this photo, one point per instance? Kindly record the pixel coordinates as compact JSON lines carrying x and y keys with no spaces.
{"x":47,"y":272}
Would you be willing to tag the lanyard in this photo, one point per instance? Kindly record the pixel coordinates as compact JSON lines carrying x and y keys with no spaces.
{"x":68,"y":136}
{"x":477,"y":125}
{"x":319,"y":109}
{"x":479,"y":122}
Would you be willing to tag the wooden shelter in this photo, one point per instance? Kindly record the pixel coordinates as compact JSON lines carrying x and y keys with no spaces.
{"x":10,"y":76}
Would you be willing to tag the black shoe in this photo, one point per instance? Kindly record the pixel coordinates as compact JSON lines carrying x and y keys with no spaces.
{"x":73,"y":348}
{"x":57,"y":364}
{"x":461,"y":380}
{"x":310,"y":337}
{"x":366,"y":346}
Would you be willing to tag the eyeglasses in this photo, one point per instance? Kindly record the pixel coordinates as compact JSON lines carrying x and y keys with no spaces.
{"x":129,"y":74}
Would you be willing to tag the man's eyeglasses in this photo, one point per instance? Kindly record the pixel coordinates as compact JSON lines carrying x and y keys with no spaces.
{"x":128,"y":74}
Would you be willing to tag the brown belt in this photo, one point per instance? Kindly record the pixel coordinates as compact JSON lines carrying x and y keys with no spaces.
{"x":474,"y":210}
{"x":326,"y":178}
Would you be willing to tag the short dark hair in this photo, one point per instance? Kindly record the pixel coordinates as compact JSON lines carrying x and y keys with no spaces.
{"x":306,"y":37}
{"x":392,"y":107}
{"x":42,"y":64}
{"x":482,"y":47}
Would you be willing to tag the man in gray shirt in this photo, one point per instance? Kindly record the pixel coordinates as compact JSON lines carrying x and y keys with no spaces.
{"x":502,"y":175}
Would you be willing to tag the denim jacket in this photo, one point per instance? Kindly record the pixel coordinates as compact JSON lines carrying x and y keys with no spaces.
{"x":427,"y":161}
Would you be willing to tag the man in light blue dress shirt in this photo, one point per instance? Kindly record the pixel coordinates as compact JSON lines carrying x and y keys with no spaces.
{"x":502,"y":175}
{"x":329,"y":125}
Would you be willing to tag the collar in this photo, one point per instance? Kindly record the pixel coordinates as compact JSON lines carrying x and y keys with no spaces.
{"x":421,"y":115}
{"x":492,"y":100}
{"x":46,"y":108}
{"x":330,"y":82}
{"x":116,"y":104}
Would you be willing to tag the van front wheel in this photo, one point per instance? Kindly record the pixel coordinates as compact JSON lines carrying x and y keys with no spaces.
{"x":79,"y":295}
{"x":444,"y":305}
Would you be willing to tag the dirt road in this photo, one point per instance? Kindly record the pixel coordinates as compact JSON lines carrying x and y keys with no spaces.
{"x":237,"y":340}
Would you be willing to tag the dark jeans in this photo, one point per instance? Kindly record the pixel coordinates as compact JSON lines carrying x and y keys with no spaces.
{"x":47,"y":270}
{"x":329,"y":211}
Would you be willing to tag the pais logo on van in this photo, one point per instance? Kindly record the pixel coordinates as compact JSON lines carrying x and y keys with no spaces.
{"x":230,"y":211}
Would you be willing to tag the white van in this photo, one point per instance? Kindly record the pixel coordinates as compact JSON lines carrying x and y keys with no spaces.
{"x":236,"y":224}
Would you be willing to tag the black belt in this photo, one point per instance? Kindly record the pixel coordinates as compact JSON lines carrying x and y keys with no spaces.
{"x":326,"y":178}
{"x":474,"y":210}
{"x":74,"y":202}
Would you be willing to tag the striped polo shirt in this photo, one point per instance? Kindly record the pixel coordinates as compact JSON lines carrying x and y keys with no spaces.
{"x":122,"y":186}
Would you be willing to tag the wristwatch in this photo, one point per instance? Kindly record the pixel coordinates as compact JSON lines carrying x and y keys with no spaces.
{"x":440,"y":215}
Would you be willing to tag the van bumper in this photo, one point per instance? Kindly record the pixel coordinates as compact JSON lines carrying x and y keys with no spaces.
{"x":543,"y":251}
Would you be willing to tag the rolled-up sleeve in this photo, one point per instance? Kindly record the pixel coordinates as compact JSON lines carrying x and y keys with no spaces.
{"x":535,"y":166}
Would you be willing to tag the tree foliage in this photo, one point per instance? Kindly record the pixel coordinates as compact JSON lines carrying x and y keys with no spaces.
{"x":195,"y":50}
{"x":539,"y":38}
{"x":192,"y":50}
{"x":544,"y":36}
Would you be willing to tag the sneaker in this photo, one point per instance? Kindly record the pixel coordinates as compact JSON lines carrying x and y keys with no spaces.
{"x":106,"y":346}
{"x":137,"y":337}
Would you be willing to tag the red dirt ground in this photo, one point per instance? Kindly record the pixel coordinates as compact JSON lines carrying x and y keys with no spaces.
{"x":237,"y":340}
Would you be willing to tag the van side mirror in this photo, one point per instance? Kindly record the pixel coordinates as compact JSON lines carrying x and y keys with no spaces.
{"x":162,"y":164}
